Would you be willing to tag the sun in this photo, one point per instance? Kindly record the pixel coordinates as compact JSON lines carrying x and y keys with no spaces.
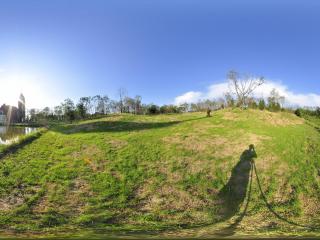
{"x":13,"y":85}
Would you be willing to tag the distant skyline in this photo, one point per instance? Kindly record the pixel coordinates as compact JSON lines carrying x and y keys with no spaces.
{"x":167,"y":51}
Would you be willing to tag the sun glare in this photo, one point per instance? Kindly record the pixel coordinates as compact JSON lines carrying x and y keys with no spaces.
{"x":12,"y":86}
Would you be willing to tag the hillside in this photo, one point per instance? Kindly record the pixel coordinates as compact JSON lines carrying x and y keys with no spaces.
{"x":147,"y":173}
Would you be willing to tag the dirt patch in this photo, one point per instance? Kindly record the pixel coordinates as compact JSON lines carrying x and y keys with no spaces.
{"x":310,"y":205}
{"x":17,"y":197}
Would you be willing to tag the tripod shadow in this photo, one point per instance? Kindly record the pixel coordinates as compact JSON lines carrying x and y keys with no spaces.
{"x":233,"y":194}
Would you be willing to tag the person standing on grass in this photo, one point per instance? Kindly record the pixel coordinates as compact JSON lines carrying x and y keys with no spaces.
{"x":208,"y":112}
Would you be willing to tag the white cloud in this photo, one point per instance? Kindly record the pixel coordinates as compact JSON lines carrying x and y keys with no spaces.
{"x":219,"y":89}
{"x":188,"y":97}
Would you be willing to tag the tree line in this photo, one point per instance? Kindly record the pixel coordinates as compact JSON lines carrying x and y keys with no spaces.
{"x":239,"y":95}
{"x":99,"y":105}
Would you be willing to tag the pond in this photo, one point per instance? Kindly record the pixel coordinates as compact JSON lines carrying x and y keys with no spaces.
{"x":12,"y":133}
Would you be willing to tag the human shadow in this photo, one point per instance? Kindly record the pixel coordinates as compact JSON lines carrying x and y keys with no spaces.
{"x":115,"y":126}
{"x":234,"y":193}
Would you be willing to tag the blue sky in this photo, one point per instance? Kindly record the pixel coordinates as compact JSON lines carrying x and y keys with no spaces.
{"x":161,"y":50}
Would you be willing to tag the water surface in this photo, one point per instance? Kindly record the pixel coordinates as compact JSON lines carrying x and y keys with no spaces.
{"x":12,"y":133}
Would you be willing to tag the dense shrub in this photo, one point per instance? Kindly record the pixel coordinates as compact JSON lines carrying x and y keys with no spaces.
{"x":262,"y":104}
{"x":153,"y":109}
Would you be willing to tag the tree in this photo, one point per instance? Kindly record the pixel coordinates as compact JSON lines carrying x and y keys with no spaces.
{"x":274,"y":100}
{"x":138,"y":101}
{"x":113,"y":106}
{"x":184,"y":107}
{"x":58,"y":112}
{"x":87,"y":103}
{"x":243,"y":86}
{"x":229,"y":99}
{"x":153,"y":109}
{"x":122,"y":95}
{"x":33,"y":114}
{"x":252,"y":103}
{"x":129,"y":105}
{"x":81,"y":109}
{"x":262,"y":104}
{"x":105,"y":101}
{"x":69,"y":109}
{"x":46,"y":111}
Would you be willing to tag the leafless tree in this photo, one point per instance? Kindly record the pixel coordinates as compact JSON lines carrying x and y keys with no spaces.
{"x":122,"y":95}
{"x":243,"y":86}
{"x":138,"y":101}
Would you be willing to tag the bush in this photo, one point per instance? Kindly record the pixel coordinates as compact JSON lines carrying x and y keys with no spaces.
{"x":262,"y":104}
{"x":274,"y":107}
{"x":153,"y":109}
{"x":298,"y":112}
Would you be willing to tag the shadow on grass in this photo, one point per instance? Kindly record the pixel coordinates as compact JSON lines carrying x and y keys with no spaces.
{"x":234,"y":193}
{"x":116,"y":126}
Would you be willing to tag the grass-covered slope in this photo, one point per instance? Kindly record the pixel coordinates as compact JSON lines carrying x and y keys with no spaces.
{"x":166,"y":171}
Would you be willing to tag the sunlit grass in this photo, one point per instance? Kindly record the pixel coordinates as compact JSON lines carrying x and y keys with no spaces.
{"x":159,"y":172}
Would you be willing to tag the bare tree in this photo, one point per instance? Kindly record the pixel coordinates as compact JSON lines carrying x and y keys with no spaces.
{"x":122,"y":95}
{"x":243,"y":86}
{"x":105,"y":100}
{"x":275,"y":100}
{"x":138,"y":101}
{"x":229,"y":99}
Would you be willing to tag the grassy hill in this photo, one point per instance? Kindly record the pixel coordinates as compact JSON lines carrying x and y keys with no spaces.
{"x":146,"y":173}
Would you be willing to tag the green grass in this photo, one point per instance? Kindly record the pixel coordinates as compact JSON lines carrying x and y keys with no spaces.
{"x":148,"y":173}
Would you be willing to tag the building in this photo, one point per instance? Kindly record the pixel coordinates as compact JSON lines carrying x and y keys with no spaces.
{"x":13,"y":114}
{"x":3,"y":118}
{"x":21,"y":108}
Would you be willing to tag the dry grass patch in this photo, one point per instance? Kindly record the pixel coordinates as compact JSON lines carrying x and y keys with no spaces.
{"x":117,"y":143}
{"x":219,"y":146}
{"x":231,"y":116}
{"x":44,"y":204}
{"x":169,"y":197}
{"x":283,"y":193}
{"x":92,"y":156}
{"x":73,"y":202}
{"x":309,"y":205}
{"x":279,"y":119}
{"x":195,"y":143}
{"x":240,"y":143}
{"x":267,"y":162}
{"x":204,"y":127}
{"x":75,"y":198}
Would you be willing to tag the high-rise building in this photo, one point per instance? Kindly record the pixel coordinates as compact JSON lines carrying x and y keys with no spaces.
{"x":22,"y":108}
